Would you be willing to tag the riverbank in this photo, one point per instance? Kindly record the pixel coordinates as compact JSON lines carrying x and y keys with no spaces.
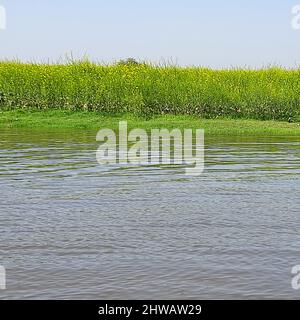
{"x":63,"y":120}
{"x":145,"y":90}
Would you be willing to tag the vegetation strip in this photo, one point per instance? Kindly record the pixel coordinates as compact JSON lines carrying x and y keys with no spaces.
{"x":63,"y":119}
{"x":148,"y":91}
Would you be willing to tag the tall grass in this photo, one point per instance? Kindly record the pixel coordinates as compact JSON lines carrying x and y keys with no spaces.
{"x":147,"y":90}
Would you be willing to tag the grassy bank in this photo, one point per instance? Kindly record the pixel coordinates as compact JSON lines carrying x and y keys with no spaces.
{"x":63,"y":119}
{"x":147,"y":91}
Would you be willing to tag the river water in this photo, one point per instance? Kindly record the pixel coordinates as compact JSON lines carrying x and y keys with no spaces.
{"x":71,"y":228}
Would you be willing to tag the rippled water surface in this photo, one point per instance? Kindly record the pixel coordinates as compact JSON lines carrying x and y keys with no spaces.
{"x":71,"y":228}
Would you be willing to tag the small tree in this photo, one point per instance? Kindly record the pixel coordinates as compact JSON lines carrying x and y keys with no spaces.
{"x":129,"y":62}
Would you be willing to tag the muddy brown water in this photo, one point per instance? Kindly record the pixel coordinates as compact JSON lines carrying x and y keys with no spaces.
{"x":71,"y":228}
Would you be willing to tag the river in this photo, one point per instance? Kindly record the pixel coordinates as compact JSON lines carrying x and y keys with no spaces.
{"x":74,"y":229}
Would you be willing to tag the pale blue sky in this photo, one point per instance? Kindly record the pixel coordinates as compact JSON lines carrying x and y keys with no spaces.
{"x":215,"y":33}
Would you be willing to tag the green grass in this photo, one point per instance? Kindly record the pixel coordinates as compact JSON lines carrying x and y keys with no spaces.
{"x":63,"y":119}
{"x":149,"y":91}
